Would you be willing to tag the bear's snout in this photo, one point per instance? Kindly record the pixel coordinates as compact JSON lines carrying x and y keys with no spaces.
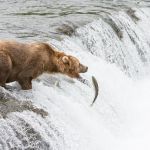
{"x":83,"y":68}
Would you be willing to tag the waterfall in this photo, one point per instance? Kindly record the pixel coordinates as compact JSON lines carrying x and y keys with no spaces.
{"x":116,"y":48}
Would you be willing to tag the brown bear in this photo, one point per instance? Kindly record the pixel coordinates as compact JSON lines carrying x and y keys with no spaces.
{"x":23,"y":62}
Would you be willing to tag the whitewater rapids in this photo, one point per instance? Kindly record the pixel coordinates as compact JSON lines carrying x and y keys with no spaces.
{"x":119,"y":119}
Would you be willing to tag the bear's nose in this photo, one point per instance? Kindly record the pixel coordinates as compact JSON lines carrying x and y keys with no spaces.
{"x":84,"y":69}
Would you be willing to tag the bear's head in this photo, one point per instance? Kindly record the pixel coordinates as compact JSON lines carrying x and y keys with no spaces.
{"x":70,"y":66}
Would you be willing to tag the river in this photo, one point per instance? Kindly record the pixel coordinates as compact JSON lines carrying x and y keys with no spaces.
{"x":113,"y":39}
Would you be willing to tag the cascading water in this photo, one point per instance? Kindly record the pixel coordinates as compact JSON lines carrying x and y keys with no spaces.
{"x":116,"y":48}
{"x":117,"y":38}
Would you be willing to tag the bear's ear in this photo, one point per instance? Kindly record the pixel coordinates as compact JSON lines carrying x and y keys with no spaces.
{"x":65,"y":60}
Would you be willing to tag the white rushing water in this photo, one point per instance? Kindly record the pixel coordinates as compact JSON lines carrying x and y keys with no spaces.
{"x":116,"y":49}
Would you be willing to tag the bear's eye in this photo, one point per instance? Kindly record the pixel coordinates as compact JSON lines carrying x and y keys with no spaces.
{"x":68,"y":63}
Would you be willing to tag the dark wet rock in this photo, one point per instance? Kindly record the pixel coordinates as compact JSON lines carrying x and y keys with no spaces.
{"x":132,"y":14}
{"x":66,"y":29}
{"x":5,"y":95}
{"x":9,"y":104}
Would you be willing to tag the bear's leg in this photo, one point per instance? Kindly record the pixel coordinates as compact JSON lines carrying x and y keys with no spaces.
{"x":25,"y":83}
{"x":5,"y":68}
{"x":2,"y":79}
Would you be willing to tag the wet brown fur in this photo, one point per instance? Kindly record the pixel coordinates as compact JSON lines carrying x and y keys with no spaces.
{"x":23,"y":62}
